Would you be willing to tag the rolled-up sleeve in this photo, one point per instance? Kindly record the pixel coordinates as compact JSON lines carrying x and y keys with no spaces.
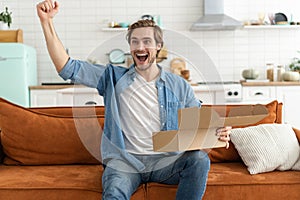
{"x":82,"y":72}
{"x":67,"y":71}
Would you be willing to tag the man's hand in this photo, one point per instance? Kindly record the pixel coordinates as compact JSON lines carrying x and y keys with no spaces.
{"x":224,"y":134}
{"x":47,"y":10}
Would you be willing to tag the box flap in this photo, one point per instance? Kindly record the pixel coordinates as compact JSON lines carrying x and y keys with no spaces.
{"x":195,"y":118}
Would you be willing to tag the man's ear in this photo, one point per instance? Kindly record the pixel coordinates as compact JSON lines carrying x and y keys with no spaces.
{"x":158,"y":47}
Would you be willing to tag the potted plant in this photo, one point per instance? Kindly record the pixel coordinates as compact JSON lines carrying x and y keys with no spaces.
{"x":295,"y":65}
{"x":294,"y":73}
{"x":5,"y":18}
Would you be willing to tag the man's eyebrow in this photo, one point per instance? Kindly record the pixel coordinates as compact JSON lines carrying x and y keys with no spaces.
{"x":149,"y":38}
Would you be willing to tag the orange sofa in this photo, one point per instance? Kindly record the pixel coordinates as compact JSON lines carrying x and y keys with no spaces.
{"x":53,"y":153}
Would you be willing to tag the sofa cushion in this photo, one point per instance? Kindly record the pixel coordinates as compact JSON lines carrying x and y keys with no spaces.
{"x":63,"y":182}
{"x":231,"y":154}
{"x":267,"y":147}
{"x":34,"y":138}
{"x":232,"y":181}
{"x":64,"y":176}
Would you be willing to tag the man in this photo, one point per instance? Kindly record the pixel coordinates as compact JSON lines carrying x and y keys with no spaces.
{"x":138,"y":101}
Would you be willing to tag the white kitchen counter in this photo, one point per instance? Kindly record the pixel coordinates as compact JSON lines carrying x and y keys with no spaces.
{"x":276,"y":83}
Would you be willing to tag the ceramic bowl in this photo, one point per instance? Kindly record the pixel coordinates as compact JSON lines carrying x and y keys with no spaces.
{"x":290,"y":76}
{"x":250,"y":74}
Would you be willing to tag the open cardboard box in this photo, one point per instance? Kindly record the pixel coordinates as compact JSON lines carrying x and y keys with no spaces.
{"x":197,"y":127}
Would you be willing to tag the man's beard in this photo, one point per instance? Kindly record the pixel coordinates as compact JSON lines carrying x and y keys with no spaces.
{"x":147,"y":66}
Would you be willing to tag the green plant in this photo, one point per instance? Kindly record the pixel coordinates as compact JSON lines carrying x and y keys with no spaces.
{"x":295,"y":65}
{"x":5,"y":16}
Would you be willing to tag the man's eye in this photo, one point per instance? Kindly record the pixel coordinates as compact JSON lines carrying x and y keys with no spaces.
{"x":134,"y":42}
{"x":147,"y":42}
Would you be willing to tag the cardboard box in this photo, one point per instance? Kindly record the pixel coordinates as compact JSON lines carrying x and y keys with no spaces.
{"x":197,"y":127}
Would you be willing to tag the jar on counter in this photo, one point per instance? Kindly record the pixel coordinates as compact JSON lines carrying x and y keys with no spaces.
{"x":280,"y":71}
{"x":270,"y":71}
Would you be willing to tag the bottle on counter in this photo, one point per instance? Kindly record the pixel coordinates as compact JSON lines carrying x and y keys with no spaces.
{"x":270,"y":71}
{"x":275,"y":77}
{"x":280,"y":71}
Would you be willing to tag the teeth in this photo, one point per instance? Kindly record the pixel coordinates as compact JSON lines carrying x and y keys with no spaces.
{"x":144,"y":54}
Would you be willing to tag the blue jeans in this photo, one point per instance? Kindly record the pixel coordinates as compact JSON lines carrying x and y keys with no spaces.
{"x":189,"y":171}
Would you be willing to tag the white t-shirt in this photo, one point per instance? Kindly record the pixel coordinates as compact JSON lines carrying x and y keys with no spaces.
{"x":139,"y":114}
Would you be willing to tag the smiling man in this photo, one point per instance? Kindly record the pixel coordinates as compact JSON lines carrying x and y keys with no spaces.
{"x":139,"y":100}
{"x":145,"y":44}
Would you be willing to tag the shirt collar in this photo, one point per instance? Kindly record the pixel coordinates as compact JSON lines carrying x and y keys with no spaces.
{"x":162,"y":75}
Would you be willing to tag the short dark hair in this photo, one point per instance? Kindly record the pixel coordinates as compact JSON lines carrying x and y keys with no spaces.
{"x":158,"y":34}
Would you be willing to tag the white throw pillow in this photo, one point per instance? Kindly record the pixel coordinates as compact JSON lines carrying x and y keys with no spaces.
{"x":297,"y":164}
{"x":266,"y":147}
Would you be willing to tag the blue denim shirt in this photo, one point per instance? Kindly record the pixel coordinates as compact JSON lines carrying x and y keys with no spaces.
{"x":173,"y":93}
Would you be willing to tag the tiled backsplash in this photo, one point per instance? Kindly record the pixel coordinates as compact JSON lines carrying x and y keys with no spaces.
{"x":79,"y":25}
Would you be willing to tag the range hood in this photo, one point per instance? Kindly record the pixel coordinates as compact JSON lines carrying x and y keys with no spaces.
{"x":214,"y":18}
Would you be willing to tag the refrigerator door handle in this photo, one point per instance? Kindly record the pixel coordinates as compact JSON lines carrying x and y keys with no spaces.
{"x":2,"y":58}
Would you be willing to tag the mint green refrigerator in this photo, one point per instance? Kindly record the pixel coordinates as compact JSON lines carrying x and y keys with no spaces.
{"x":18,"y":71}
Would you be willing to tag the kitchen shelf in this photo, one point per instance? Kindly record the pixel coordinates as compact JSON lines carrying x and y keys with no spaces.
{"x":114,"y":29}
{"x":272,"y":27}
{"x":11,"y":35}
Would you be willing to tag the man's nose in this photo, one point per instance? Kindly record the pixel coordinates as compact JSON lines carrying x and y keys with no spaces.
{"x":140,"y":46}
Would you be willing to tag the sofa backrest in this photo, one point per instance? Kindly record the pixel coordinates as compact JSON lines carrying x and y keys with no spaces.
{"x":70,"y":135}
{"x":43,"y":137}
{"x":71,"y":111}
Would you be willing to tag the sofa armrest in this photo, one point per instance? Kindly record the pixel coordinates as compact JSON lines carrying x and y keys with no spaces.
{"x":1,"y":150}
{"x":297,"y":132}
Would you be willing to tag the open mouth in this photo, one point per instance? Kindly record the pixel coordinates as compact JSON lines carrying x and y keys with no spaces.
{"x":142,"y":57}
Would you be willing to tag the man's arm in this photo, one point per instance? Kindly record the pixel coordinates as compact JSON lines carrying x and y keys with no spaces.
{"x":46,"y":10}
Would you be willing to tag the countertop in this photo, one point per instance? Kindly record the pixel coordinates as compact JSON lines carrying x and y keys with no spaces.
{"x":195,"y":86}
{"x":276,"y":83}
{"x":53,"y":87}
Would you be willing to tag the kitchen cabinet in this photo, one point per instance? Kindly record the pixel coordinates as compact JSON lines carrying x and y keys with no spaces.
{"x":289,"y":95}
{"x":78,"y":96}
{"x":204,"y":94}
{"x":42,"y":98}
{"x":49,"y":96}
{"x":218,"y":93}
{"x":205,"y":97}
{"x":67,"y":96}
{"x":258,"y":94}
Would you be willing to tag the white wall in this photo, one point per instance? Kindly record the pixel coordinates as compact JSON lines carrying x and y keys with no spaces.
{"x":79,"y":24}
